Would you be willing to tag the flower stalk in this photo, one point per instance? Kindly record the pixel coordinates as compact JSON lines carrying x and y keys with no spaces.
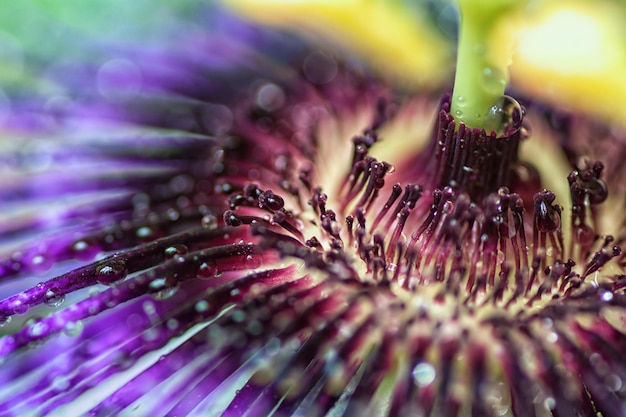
{"x":482,"y":73}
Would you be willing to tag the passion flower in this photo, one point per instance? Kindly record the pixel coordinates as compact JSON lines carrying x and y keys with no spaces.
{"x":223,"y":239}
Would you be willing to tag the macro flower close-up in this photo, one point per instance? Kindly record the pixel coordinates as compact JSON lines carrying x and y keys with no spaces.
{"x":313,"y":208}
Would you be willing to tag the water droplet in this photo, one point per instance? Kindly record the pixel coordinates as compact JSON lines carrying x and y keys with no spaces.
{"x":494,"y":80}
{"x":73,"y":328}
{"x":254,"y":328}
{"x":111,"y":272}
{"x":207,"y":270}
{"x":144,"y":232}
{"x":123,"y":360}
{"x":607,"y":296}
{"x":60,"y":383}
{"x":202,"y":306}
{"x":270,"y":97}
{"x":40,"y":263}
{"x":319,"y":67}
{"x":36,"y":328}
{"x":504,"y":117}
{"x":172,"y":214}
{"x":209,"y":222}
{"x":150,"y":335}
{"x":424,"y":374}
{"x":163,"y":288}
{"x":4,"y":320}
{"x":549,"y":403}
{"x":84,"y":250}
{"x":53,"y":298}
{"x":19,"y":305}
{"x":238,"y":316}
{"x":118,"y":79}
{"x":253,"y":261}
{"x":172,"y":324}
{"x":552,"y":337}
{"x":176,"y":250}
{"x":458,"y":113}
{"x":584,"y":234}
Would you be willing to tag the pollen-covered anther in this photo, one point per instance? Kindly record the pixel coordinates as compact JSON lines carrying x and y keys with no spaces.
{"x":587,"y":190}
{"x":547,"y":224}
{"x":256,"y":206}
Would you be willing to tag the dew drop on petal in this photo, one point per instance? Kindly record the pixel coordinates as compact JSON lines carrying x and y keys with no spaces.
{"x":238,"y":316}
{"x":162,"y":288}
{"x":424,"y":374}
{"x":209,"y":222}
{"x":4,"y":320}
{"x":40,"y":263}
{"x":36,"y":328}
{"x":202,"y":306}
{"x":207,"y":270}
{"x":144,"y":232}
{"x":172,"y":324}
{"x":552,"y":337}
{"x":494,"y":79}
{"x":19,"y":306}
{"x":111,"y":272}
{"x":270,"y":97}
{"x":607,"y":296}
{"x":549,"y":403}
{"x":320,"y":68}
{"x":73,"y":328}
{"x":252,"y":261}
{"x":504,"y":117}
{"x":53,"y":298}
{"x":584,"y":234}
{"x":176,"y":250}
{"x":172,"y":214}
{"x":60,"y":383}
{"x":150,"y":335}
{"x":119,"y":80}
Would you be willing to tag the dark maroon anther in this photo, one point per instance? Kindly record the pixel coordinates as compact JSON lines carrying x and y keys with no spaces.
{"x":586,"y":184}
{"x":336,"y":244}
{"x":330,"y":214}
{"x":231,"y":219}
{"x":237,"y":200}
{"x":379,"y":244}
{"x":600,"y":259}
{"x":251,"y":191}
{"x":349,"y":223}
{"x":314,"y":243}
{"x":367,"y":139}
{"x":414,"y":192}
{"x":547,"y":216}
{"x":360,"y":217}
{"x":268,"y":199}
{"x":278,"y":217}
{"x":318,"y":201}
{"x":305,"y":176}
{"x":597,"y":190}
